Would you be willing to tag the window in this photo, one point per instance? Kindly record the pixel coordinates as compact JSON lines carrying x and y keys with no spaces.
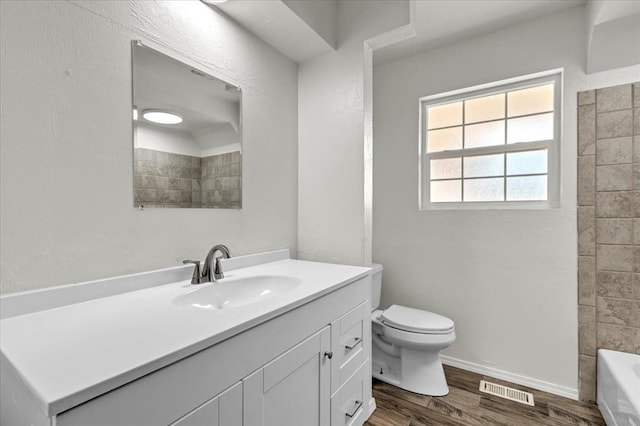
{"x":492,"y":146}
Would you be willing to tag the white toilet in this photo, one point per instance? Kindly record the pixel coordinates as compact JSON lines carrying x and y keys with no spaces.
{"x":407,"y":343}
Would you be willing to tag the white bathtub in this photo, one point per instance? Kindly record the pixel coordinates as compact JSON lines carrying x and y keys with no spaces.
{"x":619,"y":387}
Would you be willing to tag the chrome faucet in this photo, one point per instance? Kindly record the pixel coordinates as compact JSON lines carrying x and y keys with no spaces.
{"x":209,"y":274}
{"x":217,"y":274}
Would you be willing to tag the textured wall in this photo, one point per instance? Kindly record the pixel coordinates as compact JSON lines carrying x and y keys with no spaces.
{"x":66,"y":165}
{"x":332,"y":215}
{"x":506,"y":277}
{"x":608,"y":226}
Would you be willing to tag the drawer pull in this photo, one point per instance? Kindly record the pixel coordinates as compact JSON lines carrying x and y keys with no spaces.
{"x":355,"y":343}
{"x":356,"y":407}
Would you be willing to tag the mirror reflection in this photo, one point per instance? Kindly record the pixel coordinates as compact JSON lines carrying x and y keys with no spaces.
{"x":187,"y":138}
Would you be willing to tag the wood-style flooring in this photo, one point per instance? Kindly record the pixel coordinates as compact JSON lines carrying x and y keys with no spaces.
{"x":466,"y":405}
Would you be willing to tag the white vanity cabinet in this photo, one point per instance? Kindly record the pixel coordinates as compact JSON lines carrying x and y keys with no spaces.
{"x":319,"y":382}
{"x":293,"y":389}
{"x":348,"y":334}
{"x":349,"y":404}
{"x":351,"y":367}
{"x":306,"y":366}
{"x":223,"y":410}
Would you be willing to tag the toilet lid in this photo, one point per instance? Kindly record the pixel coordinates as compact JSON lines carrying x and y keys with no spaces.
{"x":416,"y":320}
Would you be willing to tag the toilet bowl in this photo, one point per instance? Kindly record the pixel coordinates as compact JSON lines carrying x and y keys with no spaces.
{"x":407,"y":343}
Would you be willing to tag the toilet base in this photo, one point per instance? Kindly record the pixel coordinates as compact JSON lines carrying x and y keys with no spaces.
{"x":416,"y":371}
{"x":422,"y":372}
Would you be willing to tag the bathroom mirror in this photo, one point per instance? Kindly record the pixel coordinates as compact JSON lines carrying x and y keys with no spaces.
{"x":187,"y":138}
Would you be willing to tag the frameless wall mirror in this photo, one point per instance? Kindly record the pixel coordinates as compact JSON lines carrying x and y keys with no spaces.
{"x":187,"y":138}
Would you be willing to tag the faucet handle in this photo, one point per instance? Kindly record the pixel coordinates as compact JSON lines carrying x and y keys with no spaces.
{"x":196,"y":278}
{"x":217,"y":271}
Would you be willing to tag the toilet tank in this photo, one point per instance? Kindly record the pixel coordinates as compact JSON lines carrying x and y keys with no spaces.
{"x":376,"y":285}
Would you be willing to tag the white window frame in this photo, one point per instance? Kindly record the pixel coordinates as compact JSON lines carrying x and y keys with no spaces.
{"x":553,"y":145}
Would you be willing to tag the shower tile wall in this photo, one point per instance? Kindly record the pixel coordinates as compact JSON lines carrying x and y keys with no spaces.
{"x":164,"y":179}
{"x":221,"y":181}
{"x":608,"y":226}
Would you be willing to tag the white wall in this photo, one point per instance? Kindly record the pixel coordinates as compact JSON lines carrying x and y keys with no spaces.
{"x":506,"y":277}
{"x":204,"y":144}
{"x":321,"y":16}
{"x":217,"y":150}
{"x":165,"y":140}
{"x":613,"y":37}
{"x":331,"y":135}
{"x":67,"y":210}
{"x":218,"y":140}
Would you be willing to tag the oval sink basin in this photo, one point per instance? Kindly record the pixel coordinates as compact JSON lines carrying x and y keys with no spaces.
{"x":233,"y":292}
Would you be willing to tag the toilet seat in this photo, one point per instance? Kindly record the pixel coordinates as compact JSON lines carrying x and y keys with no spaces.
{"x":416,"y":320}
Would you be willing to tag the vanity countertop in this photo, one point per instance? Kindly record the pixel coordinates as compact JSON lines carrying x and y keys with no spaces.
{"x":70,"y":354}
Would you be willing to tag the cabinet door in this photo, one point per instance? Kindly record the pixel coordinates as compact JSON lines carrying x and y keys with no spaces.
{"x":293,"y":389}
{"x":230,"y":406}
{"x":223,"y":410}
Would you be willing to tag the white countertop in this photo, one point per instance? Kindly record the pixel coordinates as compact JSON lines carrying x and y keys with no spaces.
{"x":70,"y":354}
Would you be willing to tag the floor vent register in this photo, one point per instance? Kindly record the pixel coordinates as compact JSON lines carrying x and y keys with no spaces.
{"x":506,"y":392}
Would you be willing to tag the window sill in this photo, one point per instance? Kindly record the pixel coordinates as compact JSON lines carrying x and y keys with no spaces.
{"x":510,"y":205}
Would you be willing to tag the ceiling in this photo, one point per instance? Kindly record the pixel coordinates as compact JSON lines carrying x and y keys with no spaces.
{"x":608,"y":11}
{"x":435,"y":22}
{"x":613,"y":34}
{"x":293,"y":27}
{"x":204,"y":102}
{"x":305,"y":29}
{"x":441,"y":22}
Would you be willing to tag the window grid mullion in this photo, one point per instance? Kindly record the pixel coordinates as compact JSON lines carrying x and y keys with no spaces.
{"x":504,"y":159}
{"x":494,"y":149}
{"x":533,"y":114}
{"x":464,"y":132}
{"x":491,"y":177}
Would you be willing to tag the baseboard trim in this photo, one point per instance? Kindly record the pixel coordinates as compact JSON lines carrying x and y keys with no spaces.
{"x":567,"y":392}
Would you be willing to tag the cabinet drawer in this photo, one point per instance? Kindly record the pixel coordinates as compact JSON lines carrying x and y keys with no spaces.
{"x":347,"y":345}
{"x":347,"y":405}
